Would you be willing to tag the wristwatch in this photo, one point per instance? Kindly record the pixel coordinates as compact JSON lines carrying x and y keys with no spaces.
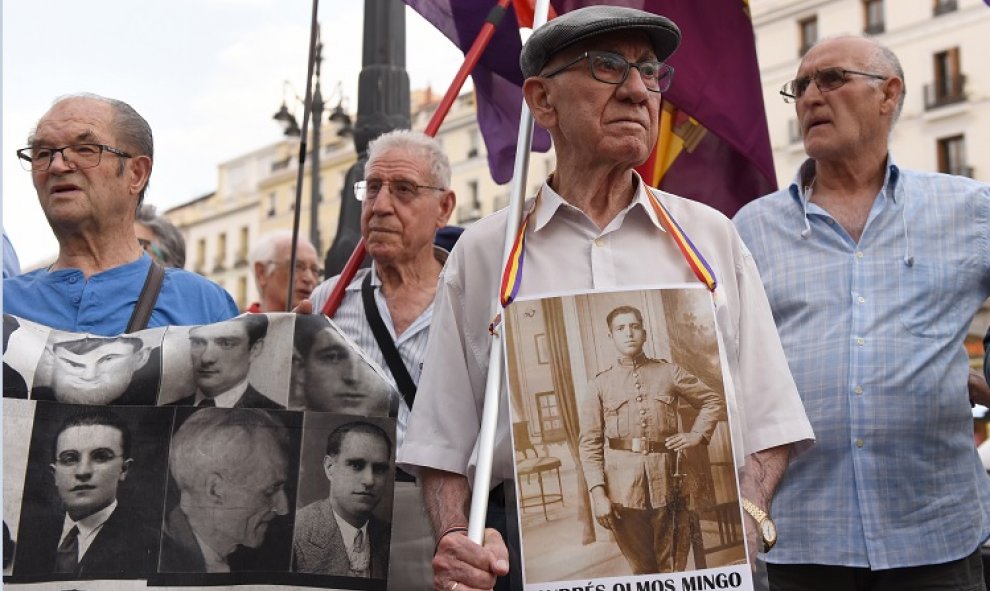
{"x":768,"y":530}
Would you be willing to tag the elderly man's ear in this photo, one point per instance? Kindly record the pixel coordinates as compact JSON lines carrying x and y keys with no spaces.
{"x":538,"y":97}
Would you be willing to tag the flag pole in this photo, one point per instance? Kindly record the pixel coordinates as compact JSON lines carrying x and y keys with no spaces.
{"x":307,"y":108}
{"x":470,"y":61}
{"x":493,"y":386}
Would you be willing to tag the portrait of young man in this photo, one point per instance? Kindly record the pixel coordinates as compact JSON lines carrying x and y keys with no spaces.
{"x":93,"y":493}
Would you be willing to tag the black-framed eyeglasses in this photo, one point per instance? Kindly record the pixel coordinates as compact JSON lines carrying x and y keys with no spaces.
{"x":826,"y":80}
{"x":404,"y":191}
{"x":76,"y":156}
{"x":301,"y":267}
{"x":612,"y":68}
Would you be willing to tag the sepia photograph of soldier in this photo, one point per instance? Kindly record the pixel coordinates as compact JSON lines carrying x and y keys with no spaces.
{"x":230,"y":469}
{"x":330,"y":375}
{"x":632,"y":446}
{"x":87,"y":369}
{"x":85,"y":526}
{"x":623,"y":449}
{"x":341,"y":534}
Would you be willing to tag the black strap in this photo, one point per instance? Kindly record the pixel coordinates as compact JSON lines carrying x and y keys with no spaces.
{"x":402,"y":378}
{"x":146,"y":301}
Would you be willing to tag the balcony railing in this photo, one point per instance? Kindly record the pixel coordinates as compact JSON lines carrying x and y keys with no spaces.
{"x":939,"y":95}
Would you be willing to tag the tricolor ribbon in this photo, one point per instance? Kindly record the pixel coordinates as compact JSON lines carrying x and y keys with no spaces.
{"x":512,"y":275}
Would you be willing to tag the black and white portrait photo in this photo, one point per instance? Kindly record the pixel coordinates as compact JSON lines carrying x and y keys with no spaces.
{"x":232,"y":491}
{"x":343,"y":527}
{"x":93,"y":493}
{"x":330,"y":374}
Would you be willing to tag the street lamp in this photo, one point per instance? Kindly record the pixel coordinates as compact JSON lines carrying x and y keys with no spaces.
{"x":290,"y":128}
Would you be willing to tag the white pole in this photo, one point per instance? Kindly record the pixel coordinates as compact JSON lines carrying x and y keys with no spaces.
{"x":489,"y":417}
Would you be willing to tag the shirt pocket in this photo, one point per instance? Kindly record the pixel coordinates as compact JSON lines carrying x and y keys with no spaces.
{"x":929,"y":299}
{"x":665,"y":417}
{"x":616,"y":414}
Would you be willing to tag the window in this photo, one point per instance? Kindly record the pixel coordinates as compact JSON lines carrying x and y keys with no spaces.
{"x":949,"y":83}
{"x":200,"y":256}
{"x":271,"y":204}
{"x":873,"y":17}
{"x":475,"y":140}
{"x":242,"y":248}
{"x":943,"y":6}
{"x":218,"y":264}
{"x":242,"y":292}
{"x":952,"y":156}
{"x":808,"y":29}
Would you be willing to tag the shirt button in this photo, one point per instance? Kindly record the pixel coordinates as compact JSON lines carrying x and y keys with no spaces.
{"x":860,"y":341}
{"x":643,"y":424}
{"x":75,"y":299}
{"x":599,"y":242}
{"x":639,"y":399}
{"x":861,"y":300}
{"x":859,"y":254}
{"x":73,"y":279}
{"x":858,"y":389}
{"x":859,"y":443}
{"x":642,"y":411}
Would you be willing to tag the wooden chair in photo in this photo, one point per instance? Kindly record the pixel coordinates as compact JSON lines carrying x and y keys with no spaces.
{"x":535,"y":466}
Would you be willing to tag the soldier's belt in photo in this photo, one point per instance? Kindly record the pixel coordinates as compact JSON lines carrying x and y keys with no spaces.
{"x":638,"y":445}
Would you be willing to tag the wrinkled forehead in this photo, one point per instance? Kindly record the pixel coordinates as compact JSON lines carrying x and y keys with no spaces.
{"x":846,"y":52}
{"x":75,"y":120}
{"x":406,"y":163}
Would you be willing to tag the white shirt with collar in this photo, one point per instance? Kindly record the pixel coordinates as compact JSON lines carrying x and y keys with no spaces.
{"x":88,"y":526}
{"x":227,"y":398}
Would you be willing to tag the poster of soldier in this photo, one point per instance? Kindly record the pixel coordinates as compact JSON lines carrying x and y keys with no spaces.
{"x":255,"y":451}
{"x":625,"y":471}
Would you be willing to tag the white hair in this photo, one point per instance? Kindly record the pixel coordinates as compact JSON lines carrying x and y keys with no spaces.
{"x":266,"y":247}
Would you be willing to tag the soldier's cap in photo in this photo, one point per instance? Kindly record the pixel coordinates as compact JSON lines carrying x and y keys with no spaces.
{"x":591,"y":21}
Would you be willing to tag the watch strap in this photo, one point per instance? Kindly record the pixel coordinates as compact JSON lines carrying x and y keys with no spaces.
{"x":758,"y":514}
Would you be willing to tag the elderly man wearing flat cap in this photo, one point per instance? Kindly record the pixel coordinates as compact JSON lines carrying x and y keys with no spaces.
{"x":594,"y":78}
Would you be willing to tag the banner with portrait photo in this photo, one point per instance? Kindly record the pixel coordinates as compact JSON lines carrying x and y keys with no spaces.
{"x":624,"y":431}
{"x":257,"y":451}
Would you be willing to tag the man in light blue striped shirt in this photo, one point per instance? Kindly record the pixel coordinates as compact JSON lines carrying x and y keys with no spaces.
{"x":405,"y":200}
{"x":873,"y":274}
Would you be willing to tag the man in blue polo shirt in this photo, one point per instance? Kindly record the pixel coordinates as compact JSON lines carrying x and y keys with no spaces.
{"x":90,"y":158}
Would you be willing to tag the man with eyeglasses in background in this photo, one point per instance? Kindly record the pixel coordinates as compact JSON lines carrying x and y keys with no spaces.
{"x":97,"y":538}
{"x":90,"y":159}
{"x":405,"y":199}
{"x":593,"y":78}
{"x":874,"y":273}
{"x":270,"y":259}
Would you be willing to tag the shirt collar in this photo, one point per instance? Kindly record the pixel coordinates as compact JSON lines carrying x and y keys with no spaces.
{"x":806,"y":174}
{"x":439,"y":253}
{"x":348,"y":531}
{"x":551,"y":201}
{"x":87,"y":525}
{"x":634,"y":362}
{"x":228,"y":398}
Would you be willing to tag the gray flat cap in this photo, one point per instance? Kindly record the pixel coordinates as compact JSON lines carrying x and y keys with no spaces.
{"x":591,"y":21}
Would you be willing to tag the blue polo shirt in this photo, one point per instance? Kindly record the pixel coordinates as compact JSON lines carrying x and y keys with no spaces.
{"x":102,"y":305}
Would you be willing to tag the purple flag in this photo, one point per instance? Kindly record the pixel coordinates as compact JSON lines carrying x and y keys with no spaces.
{"x":497,"y":78}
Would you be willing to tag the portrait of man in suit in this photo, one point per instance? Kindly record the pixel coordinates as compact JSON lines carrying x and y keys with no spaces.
{"x":99,"y":371}
{"x":221,"y":355}
{"x":96,"y":538}
{"x":230,"y":467}
{"x":340,"y":535}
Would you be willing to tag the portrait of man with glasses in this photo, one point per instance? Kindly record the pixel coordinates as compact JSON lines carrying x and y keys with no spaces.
{"x":874,"y":273}
{"x":90,"y":159}
{"x":76,"y":521}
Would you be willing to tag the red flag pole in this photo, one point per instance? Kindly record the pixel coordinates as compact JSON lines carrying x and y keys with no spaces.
{"x":470,"y":61}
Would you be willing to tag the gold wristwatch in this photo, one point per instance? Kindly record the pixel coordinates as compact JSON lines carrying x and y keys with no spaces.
{"x":768,"y":530}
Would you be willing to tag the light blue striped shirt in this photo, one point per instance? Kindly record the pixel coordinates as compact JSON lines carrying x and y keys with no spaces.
{"x":873,"y":335}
